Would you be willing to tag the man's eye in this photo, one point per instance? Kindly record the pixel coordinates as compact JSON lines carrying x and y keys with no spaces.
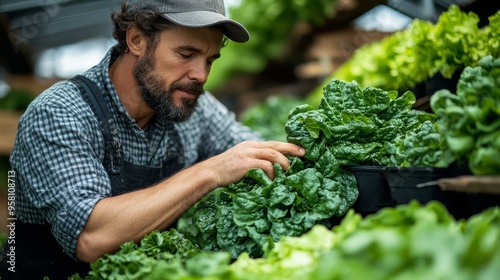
{"x":186,"y":55}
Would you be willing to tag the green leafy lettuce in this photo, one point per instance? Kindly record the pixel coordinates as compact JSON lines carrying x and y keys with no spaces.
{"x":470,"y":119}
{"x":245,"y":215}
{"x":415,"y":242}
{"x":408,"y":57}
{"x":367,"y":126}
{"x":410,"y":241}
{"x":159,"y":255}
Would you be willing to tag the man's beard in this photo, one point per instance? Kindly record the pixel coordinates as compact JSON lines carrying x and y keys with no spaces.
{"x":153,"y":92}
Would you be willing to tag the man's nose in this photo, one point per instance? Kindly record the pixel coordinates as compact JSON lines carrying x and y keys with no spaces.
{"x":199,"y":72}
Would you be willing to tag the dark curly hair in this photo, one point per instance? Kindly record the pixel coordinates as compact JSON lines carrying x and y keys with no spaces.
{"x":147,"y":19}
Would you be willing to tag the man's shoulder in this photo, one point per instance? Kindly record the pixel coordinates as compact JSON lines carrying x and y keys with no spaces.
{"x":63,"y":93}
{"x":62,"y":99}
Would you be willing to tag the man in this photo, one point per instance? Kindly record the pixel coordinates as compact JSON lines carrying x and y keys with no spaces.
{"x":102,"y":163}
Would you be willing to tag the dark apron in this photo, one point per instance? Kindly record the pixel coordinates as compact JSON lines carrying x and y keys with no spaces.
{"x":37,"y":252}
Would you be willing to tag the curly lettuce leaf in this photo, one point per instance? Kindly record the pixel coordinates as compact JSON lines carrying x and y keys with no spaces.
{"x":367,"y":126}
{"x":470,"y":119}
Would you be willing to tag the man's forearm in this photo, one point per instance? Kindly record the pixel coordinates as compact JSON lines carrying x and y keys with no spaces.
{"x":130,"y":216}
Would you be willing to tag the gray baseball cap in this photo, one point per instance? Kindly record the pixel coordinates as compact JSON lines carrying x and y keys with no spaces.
{"x":195,"y":13}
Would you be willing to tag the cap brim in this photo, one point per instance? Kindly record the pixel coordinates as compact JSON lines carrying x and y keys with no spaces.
{"x":232,"y":29}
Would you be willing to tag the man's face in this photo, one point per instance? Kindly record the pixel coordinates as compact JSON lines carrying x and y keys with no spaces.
{"x":171,"y":78}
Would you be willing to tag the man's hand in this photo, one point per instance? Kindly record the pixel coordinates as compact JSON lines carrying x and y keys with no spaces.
{"x":232,"y":165}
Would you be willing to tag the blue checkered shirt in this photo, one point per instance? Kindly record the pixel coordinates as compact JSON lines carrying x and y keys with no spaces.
{"x":59,"y":149}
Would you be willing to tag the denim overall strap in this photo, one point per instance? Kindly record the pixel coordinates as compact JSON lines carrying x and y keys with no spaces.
{"x":113,"y":149}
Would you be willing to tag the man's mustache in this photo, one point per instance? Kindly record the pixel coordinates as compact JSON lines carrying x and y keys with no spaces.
{"x":193,"y":87}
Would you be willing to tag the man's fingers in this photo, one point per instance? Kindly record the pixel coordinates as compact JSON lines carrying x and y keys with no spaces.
{"x":232,"y":165}
{"x":284,"y":148}
{"x":268,"y":168}
{"x":275,"y":152}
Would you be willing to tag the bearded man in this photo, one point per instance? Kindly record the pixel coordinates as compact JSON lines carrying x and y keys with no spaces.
{"x":128,"y":146}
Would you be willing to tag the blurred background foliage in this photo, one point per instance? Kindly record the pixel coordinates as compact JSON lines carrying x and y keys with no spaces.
{"x":420,"y":52}
{"x":270,"y":116}
{"x":269,"y":23}
{"x":16,"y":100}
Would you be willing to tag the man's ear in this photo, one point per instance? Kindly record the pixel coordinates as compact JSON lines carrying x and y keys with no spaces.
{"x":136,"y":42}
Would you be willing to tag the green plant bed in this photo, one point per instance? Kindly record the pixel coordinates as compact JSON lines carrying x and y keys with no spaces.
{"x":411,"y":241}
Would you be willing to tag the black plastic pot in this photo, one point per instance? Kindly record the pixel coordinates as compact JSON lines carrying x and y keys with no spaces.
{"x":403,"y":183}
{"x":374,"y":192}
